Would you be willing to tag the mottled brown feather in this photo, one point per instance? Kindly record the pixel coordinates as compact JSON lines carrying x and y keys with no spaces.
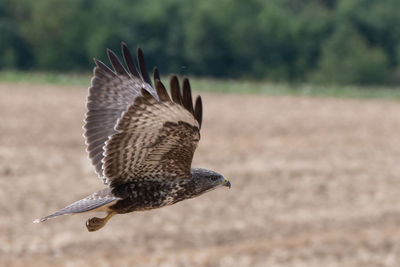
{"x":155,"y":139}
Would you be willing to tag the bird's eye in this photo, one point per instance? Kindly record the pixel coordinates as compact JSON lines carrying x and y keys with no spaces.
{"x":213,"y":178}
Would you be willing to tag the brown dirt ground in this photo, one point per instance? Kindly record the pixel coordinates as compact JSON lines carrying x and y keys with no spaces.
{"x":315,"y":182}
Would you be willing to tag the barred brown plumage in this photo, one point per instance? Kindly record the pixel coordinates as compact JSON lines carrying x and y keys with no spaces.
{"x":140,"y":141}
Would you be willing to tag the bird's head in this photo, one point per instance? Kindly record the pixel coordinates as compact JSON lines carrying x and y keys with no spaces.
{"x":206,"y":180}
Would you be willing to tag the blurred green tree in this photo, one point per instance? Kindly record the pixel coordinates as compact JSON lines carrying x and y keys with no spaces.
{"x":338,"y":41}
{"x":347,"y":58}
{"x":14,"y":51}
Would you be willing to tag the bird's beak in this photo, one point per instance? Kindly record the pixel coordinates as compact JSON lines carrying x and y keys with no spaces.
{"x":226,"y":183}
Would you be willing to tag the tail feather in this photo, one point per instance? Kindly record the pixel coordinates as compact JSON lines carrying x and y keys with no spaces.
{"x":92,"y":202}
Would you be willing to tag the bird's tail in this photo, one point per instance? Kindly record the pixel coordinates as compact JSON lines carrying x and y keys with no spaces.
{"x":96,"y":202}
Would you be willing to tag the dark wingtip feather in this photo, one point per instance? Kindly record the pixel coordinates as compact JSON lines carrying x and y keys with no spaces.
{"x":142,"y":66}
{"x":162,"y":92}
{"x":156,"y":75}
{"x":102,"y":66}
{"x":146,"y":94}
{"x":187,"y":96}
{"x":198,"y":110}
{"x":129,"y":60}
{"x":118,"y":68}
{"x":98,"y":62}
{"x":175,"y":90}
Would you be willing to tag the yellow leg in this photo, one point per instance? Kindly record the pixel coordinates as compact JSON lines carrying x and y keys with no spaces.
{"x":94,"y":224}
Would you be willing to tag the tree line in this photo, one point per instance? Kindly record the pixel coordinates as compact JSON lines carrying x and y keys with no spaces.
{"x":328,"y":41}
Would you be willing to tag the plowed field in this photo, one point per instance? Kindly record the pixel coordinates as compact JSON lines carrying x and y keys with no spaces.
{"x":315,"y":182}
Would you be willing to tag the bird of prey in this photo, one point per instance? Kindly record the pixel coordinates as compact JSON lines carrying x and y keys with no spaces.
{"x":141,"y":141}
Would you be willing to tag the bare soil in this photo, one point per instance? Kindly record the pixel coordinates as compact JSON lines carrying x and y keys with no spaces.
{"x":315,"y":182}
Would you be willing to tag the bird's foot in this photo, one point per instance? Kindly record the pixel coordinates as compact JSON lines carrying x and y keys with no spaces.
{"x":95,"y":223}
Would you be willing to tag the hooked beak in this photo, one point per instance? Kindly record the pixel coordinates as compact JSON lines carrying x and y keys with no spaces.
{"x":225,"y":182}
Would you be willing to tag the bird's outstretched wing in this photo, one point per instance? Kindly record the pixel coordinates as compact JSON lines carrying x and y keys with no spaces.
{"x":110,"y":94}
{"x":146,"y":132}
{"x":156,"y":138}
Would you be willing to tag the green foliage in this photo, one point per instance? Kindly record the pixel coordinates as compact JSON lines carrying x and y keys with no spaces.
{"x":347,"y":58}
{"x":336,"y":41}
{"x":14,"y":51}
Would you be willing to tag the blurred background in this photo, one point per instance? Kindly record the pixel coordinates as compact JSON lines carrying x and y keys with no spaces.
{"x":334,"y":41}
{"x":301,"y":113}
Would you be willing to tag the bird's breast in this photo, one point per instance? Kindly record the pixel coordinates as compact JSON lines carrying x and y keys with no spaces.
{"x":145,"y":194}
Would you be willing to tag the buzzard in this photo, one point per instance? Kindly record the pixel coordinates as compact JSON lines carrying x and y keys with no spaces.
{"x":141,"y":141}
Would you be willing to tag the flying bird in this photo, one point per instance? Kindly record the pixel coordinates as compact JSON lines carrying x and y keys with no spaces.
{"x":140,"y":141}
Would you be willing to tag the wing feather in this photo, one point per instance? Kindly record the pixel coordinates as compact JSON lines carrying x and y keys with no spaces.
{"x":118,"y":68}
{"x":187,"y":96}
{"x":142,"y":66}
{"x":198,"y":110}
{"x":129,"y":61}
{"x":134,"y":130}
{"x":162,"y":92}
{"x":154,"y":139}
{"x":110,"y":95}
{"x":156,"y":75}
{"x":175,"y":90}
